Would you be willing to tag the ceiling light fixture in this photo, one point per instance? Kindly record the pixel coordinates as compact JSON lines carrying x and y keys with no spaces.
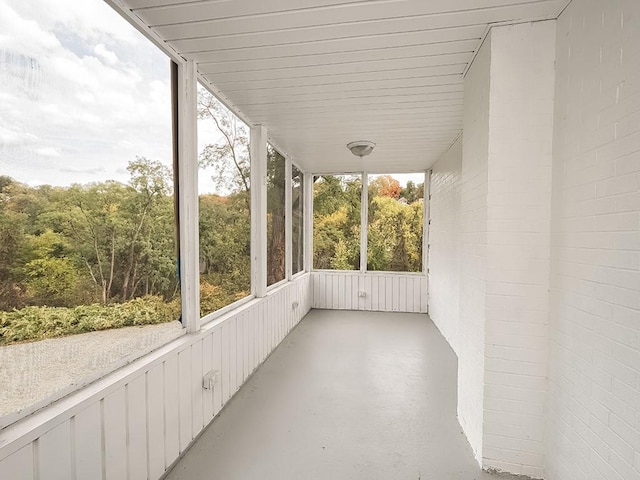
{"x":361,"y":148}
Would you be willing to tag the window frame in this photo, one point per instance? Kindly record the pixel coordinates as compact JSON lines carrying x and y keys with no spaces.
{"x":364,"y":219}
{"x":211,"y":316}
{"x":291,"y":275}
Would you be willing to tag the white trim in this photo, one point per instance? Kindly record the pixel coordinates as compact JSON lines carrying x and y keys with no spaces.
{"x":125,"y":12}
{"x":28,"y":429}
{"x":276,"y":285}
{"x":426,"y":212}
{"x":213,"y":90}
{"x":211,"y":316}
{"x":258,"y":148}
{"x":188,"y":195}
{"x":308,"y":222}
{"x":288,"y":220}
{"x":364,"y":220}
{"x":302,"y":202}
{"x":298,"y":275}
{"x":370,"y":272}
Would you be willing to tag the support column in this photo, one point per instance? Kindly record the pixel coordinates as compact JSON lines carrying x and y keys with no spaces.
{"x":188,"y":195}
{"x":258,"y":148}
{"x":518,"y":246}
{"x":364,"y":222}
{"x":308,"y":221}
{"x":288,"y":263}
{"x":505,"y":247}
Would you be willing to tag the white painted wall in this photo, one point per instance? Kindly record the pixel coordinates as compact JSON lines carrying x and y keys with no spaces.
{"x":444,"y":248}
{"x":135,"y":422}
{"x":473,"y":248}
{"x":383,"y":292}
{"x":593,"y":423}
{"x":489,"y":254}
{"x":518,"y":246}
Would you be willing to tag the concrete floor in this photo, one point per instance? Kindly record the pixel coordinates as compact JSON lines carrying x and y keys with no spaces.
{"x":347,"y":395}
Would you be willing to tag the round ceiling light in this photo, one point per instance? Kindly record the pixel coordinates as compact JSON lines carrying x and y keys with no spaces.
{"x":361,"y":148}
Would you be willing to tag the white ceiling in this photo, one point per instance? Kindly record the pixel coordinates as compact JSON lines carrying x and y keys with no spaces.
{"x":321,"y":73}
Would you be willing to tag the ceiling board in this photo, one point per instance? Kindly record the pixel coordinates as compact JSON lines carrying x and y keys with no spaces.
{"x":321,"y":73}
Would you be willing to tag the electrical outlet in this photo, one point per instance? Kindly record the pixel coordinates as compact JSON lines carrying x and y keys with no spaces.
{"x":362,"y":294}
{"x":294,"y":305}
{"x":210,"y":379}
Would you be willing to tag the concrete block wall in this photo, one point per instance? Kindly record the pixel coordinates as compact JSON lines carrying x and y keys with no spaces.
{"x":594,"y":373}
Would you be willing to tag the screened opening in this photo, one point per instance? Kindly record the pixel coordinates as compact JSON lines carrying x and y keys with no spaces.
{"x":337,"y":201}
{"x":297,"y":223}
{"x":394,"y":227}
{"x":276,"y":250}
{"x":224,"y":192}
{"x":87,"y":218}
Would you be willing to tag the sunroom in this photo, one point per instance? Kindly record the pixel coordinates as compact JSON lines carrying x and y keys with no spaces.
{"x":319,"y":239}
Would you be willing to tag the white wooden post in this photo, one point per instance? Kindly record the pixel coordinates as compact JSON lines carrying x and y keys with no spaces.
{"x":288,"y":220}
{"x":426,"y":220}
{"x":364,"y":222}
{"x":188,"y":195}
{"x":308,"y":221}
{"x":258,"y":149}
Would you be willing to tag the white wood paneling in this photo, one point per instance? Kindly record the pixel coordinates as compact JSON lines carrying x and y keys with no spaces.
{"x":54,"y":454}
{"x":320,"y":73}
{"x":137,"y":428}
{"x":133,"y":423}
{"x":384,"y":292}
{"x":88,"y":451}
{"x":114,"y":419}
{"x":13,"y":466}
{"x":156,"y":419}
{"x":171,"y":411}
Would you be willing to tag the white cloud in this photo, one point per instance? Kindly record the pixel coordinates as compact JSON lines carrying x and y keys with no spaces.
{"x":49,"y":152}
{"x":77,"y":81}
{"x":105,"y":54}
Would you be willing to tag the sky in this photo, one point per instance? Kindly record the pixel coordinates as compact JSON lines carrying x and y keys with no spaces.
{"x":83,"y":93}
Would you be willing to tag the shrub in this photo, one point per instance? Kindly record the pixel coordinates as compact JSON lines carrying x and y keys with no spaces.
{"x":38,"y":323}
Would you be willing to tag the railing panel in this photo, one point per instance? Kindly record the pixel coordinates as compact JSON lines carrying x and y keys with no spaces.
{"x":384,"y":292}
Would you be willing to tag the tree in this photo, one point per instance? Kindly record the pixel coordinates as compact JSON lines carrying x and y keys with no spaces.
{"x":410,"y":192}
{"x":50,"y":275}
{"x":385,"y":186}
{"x":336,"y":225}
{"x":275,"y":216}
{"x":229,"y":155}
{"x":152,"y":182}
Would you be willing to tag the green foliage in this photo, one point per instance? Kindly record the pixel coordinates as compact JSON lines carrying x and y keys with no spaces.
{"x":394,"y":229}
{"x":37,"y":323}
{"x":336,"y":222}
{"x":395,"y":235}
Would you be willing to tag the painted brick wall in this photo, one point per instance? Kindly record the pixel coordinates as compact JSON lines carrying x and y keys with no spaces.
{"x":518,"y":246}
{"x":473,"y":241}
{"x":594,"y":403}
{"x":490,"y":247}
{"x":444,"y":244}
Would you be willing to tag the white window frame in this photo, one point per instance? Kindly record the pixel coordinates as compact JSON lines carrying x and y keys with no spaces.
{"x":364,"y":225}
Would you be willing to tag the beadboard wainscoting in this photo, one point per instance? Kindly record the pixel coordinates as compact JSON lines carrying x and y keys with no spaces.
{"x":383,"y":292}
{"x":134,"y":423}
